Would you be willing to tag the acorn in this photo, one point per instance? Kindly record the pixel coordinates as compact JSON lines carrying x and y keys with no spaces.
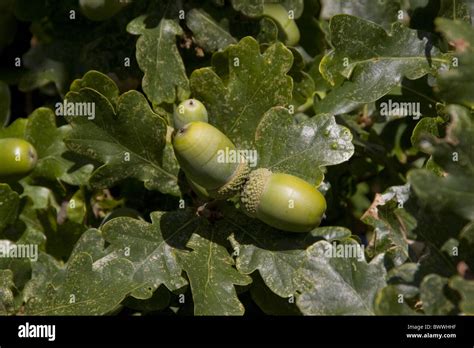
{"x":100,"y":10}
{"x":287,"y":25}
{"x":283,"y":201}
{"x":190,"y":110}
{"x":17,"y":158}
{"x":200,"y":150}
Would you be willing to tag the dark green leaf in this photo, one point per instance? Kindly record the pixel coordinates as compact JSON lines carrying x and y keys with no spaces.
{"x":255,"y":83}
{"x":8,"y":24}
{"x":456,"y":84}
{"x":19,"y":258}
{"x":207,"y":33}
{"x":90,"y":242}
{"x":151,"y":248}
{"x":99,"y":82}
{"x":165,"y":77}
{"x":6,"y":294}
{"x":268,"y":31}
{"x":367,"y":62}
{"x":28,"y":11}
{"x":432,"y":296}
{"x":42,"y":272}
{"x":466,"y":290}
{"x":275,"y":254}
{"x":160,"y":300}
{"x":380,"y":12}
{"x":427,"y":125}
{"x":130,"y":142}
{"x":9,"y":206}
{"x":391,"y":224}
{"x":212,"y":277}
{"x":466,"y":238}
{"x":251,"y":8}
{"x":390,"y":301}
{"x":158,"y":252}
{"x":85,"y":288}
{"x":338,"y":285}
{"x":4,"y":104}
{"x":454,"y":191}
{"x":271,"y":303}
{"x":42,"y":71}
{"x":456,"y":10}
{"x":301,"y":149}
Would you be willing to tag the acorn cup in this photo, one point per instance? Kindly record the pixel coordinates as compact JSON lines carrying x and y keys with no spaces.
{"x":283,"y":201}
{"x":18,"y":158}
{"x":197,"y":147}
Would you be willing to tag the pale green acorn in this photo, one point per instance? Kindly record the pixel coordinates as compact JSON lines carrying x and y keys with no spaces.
{"x":198,"y":147}
{"x":283,"y":201}
{"x":190,"y":110}
{"x":100,"y":10}
{"x":287,"y":25}
{"x":17,"y":158}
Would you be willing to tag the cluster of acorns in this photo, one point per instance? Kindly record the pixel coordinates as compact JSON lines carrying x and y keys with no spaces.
{"x":283,"y":201}
{"x":280,"y":200}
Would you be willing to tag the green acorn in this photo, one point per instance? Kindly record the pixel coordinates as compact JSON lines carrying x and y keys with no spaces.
{"x":288,"y":26}
{"x":100,"y":10}
{"x":282,"y":201}
{"x":199,"y":149}
{"x":17,"y":158}
{"x":190,"y":110}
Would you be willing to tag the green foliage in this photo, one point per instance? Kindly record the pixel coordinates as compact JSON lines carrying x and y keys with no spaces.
{"x":117,"y":228}
{"x":238,"y":93}
{"x":83,"y":289}
{"x":347,"y":285}
{"x":9,"y":208}
{"x":380,"y":12}
{"x":367,"y":62}
{"x":4,"y":103}
{"x":110,"y":138}
{"x":165,"y":78}
{"x":455,"y":84}
{"x":208,"y":33}
{"x":301,"y":149}
{"x":454,"y":191}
